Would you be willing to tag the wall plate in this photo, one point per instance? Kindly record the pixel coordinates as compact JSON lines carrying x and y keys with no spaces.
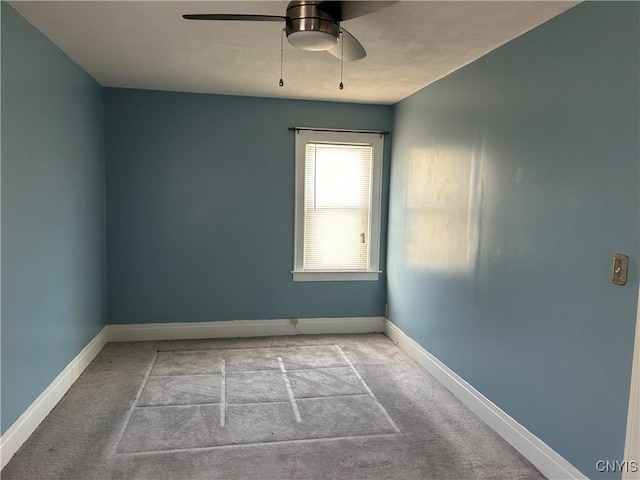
{"x":619,"y":269}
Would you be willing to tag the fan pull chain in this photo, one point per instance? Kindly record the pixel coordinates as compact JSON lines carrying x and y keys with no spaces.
{"x":341,"y":86}
{"x":281,"y":82}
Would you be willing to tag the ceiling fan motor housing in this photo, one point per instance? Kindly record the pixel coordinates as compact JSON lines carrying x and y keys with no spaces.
{"x":310,"y":28}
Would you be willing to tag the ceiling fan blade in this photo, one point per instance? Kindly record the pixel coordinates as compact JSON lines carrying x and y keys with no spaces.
{"x":353,"y":49}
{"x":240,"y":17}
{"x":348,"y":10}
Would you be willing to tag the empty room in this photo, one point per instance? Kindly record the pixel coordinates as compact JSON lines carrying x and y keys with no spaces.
{"x":320,"y":240}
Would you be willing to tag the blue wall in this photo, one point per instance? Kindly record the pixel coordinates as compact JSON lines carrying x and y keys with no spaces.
{"x":200,"y":198}
{"x":514,"y":181}
{"x":53,"y":238}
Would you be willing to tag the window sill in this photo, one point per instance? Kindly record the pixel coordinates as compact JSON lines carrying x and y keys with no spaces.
{"x":335,"y":276}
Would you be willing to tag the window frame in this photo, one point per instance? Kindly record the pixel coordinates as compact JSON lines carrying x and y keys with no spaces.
{"x":376,"y":141}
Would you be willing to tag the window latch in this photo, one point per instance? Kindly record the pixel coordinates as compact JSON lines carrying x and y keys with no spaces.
{"x":362,"y":238}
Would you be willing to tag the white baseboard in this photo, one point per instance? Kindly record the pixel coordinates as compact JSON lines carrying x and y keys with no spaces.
{"x":26,"y":424}
{"x":543,"y":457}
{"x":243,"y":328}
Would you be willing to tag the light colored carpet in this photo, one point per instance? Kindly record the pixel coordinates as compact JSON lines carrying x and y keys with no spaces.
{"x":339,"y":407}
{"x":210,"y":398}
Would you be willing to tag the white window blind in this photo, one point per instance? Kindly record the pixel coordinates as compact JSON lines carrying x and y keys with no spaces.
{"x":337,"y":206}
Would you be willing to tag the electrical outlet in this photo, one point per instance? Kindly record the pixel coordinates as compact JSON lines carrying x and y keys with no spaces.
{"x":293,"y":321}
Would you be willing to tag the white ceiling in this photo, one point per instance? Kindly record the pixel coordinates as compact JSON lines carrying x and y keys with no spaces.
{"x":146,"y":44}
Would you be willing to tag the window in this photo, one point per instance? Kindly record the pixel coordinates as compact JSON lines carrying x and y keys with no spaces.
{"x":337,"y":219}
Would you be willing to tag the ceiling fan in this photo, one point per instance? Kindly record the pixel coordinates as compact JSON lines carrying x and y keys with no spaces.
{"x":314,"y":24}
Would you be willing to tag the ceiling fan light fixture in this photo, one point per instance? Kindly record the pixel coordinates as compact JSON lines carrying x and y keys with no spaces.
{"x":313,"y":24}
{"x":312,"y":40}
